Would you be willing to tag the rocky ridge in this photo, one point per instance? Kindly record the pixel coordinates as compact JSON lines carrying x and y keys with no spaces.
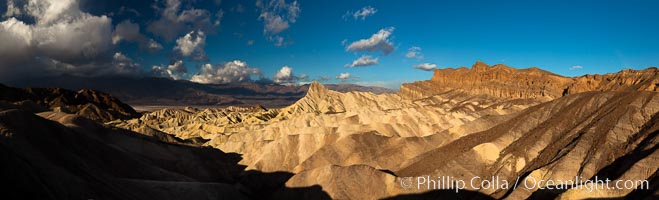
{"x":506,"y":82}
{"x":91,"y":104}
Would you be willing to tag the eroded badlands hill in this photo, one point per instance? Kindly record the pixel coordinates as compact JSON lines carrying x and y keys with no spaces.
{"x":485,"y":121}
{"x":282,"y":139}
{"x":463,"y":122}
{"x":608,"y":134}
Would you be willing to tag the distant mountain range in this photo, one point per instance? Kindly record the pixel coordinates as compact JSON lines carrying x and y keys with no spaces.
{"x":167,"y":92}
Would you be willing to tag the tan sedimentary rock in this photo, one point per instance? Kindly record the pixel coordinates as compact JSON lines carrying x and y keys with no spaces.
{"x":506,"y":82}
{"x":485,"y":121}
{"x":190,"y":122}
{"x":578,"y":135}
{"x":498,"y":81}
{"x":325,"y":121}
{"x":625,"y":80}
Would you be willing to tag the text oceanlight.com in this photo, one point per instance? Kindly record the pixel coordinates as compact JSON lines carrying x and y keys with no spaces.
{"x":530,"y":183}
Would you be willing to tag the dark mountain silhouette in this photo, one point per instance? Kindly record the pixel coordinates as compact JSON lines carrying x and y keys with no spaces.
{"x":91,"y":104}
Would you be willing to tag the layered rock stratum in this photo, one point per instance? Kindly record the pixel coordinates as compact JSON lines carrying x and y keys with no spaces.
{"x":488,"y":121}
{"x":506,"y":82}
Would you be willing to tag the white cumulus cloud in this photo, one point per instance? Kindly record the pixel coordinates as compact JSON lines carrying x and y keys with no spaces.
{"x":425,"y":66}
{"x":176,"y":70}
{"x":277,"y":16}
{"x":285,"y":76}
{"x":344,"y":77}
{"x":192,"y":45}
{"x":58,"y":38}
{"x":178,"y":67}
{"x":273,"y":23}
{"x":377,"y":42}
{"x":362,"y":13}
{"x":229,"y":72}
{"x":414,"y":52}
{"x":363,"y":61}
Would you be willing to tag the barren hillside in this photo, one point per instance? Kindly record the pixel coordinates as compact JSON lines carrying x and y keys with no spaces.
{"x":513,"y":124}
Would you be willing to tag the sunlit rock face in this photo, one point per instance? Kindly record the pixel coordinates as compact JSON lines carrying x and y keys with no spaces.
{"x":506,"y":82}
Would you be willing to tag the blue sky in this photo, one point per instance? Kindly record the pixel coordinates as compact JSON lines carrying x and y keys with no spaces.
{"x":598,"y":36}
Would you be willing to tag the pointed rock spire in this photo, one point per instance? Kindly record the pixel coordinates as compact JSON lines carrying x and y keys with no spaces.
{"x":316,"y":90}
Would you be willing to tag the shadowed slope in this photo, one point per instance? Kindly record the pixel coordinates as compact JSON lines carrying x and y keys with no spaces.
{"x":91,"y":104}
{"x":75,"y":158}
